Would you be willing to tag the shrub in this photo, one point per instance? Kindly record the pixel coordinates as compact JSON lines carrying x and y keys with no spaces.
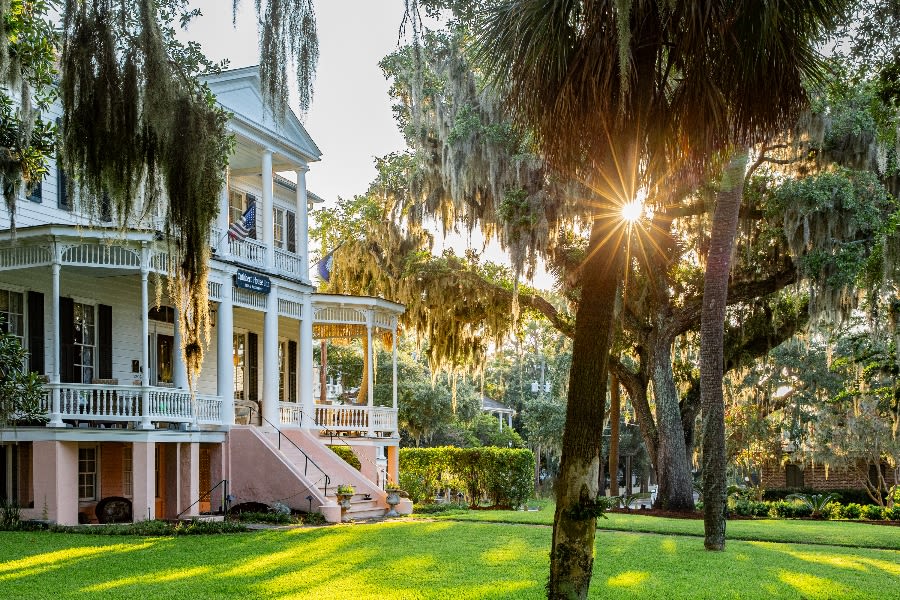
{"x":851,"y":511}
{"x":273,"y":518}
{"x":892,"y":513}
{"x":816,"y":502}
{"x":751,"y":508}
{"x":788,"y":509}
{"x":843,"y":496}
{"x":313,"y":518}
{"x":504,"y":476}
{"x":347,"y":454}
{"x":872,"y":512}
{"x":156,"y":528}
{"x":434,"y":509}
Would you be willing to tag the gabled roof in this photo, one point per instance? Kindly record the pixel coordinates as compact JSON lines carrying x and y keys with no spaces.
{"x":489,"y":405}
{"x":239,"y":91}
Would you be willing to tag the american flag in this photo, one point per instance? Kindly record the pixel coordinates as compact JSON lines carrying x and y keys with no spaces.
{"x":241,"y":229}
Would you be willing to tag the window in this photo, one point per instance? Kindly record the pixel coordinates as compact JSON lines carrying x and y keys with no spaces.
{"x":237,"y":203}
{"x":285,"y":229}
{"x":87,"y":473}
{"x":12,"y":314}
{"x":127,"y":471}
{"x":33,"y":192}
{"x":240,"y":363}
{"x":85,"y":340}
{"x":793,"y":476}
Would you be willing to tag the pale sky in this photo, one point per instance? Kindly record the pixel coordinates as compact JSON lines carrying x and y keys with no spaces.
{"x":350,"y":118}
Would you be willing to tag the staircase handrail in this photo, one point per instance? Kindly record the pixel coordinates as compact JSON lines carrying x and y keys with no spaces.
{"x":208,"y":494}
{"x":305,"y":455}
{"x":378,"y":468}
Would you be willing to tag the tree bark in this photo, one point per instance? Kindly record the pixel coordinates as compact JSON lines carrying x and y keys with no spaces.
{"x":676,"y":485}
{"x":575,"y":522}
{"x":615,"y":409}
{"x":712,"y":334}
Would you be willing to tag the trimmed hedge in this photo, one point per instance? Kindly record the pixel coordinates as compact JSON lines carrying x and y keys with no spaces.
{"x":794,"y":509}
{"x":503,"y":476}
{"x":347,"y":454}
{"x":857,"y":496}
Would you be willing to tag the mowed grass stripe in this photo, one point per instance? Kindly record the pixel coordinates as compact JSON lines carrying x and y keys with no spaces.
{"x":413,"y":560}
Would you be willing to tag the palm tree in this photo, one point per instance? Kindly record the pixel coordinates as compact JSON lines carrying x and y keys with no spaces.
{"x":627,"y":95}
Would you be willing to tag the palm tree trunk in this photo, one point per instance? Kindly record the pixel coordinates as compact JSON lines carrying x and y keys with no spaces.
{"x":712,"y":326}
{"x":615,"y":408}
{"x":575,"y":522}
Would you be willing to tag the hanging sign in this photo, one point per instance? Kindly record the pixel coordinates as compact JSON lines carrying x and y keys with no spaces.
{"x":252,"y":281}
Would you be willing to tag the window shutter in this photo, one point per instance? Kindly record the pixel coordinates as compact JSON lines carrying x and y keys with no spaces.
{"x":36,"y":332}
{"x":62,"y":191}
{"x":256,"y":225}
{"x":253,"y":366}
{"x":104,"y":341}
{"x":291,"y":231}
{"x":67,"y":341}
{"x":292,"y":371}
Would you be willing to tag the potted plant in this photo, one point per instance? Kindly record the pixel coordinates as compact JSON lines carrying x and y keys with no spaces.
{"x":393,"y":498}
{"x":344,"y":493}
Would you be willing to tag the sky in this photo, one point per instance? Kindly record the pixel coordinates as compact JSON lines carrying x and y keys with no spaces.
{"x":350,"y":118}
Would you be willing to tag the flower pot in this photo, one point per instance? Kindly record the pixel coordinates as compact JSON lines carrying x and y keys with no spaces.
{"x":393,"y":499}
{"x":344,"y":501}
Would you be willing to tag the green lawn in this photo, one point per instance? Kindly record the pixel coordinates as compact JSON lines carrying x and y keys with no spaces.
{"x":837,"y":533}
{"x":416,"y":559}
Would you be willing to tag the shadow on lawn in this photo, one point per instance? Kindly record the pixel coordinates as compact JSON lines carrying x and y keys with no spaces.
{"x":424,"y":560}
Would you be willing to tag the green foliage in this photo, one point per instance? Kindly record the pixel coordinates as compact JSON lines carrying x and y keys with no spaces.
{"x":21,"y":392}
{"x":156,"y":528}
{"x":817,"y":503}
{"x":346,"y":453}
{"x":439,"y":509}
{"x":503,"y":476}
{"x":274,"y":518}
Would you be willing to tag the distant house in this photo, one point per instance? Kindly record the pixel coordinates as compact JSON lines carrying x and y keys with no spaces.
{"x":790,"y":474}
{"x":124,"y":430}
{"x":498,"y":410}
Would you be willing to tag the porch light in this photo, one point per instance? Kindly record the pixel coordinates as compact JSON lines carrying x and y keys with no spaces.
{"x":213,"y":312}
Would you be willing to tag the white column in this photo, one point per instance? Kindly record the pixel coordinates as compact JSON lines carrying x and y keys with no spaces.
{"x":394,"y":342}
{"x":265,"y":215}
{"x":500,"y":418}
{"x":305,"y":375}
{"x":145,"y":341}
{"x":225,"y":353}
{"x":55,"y":417}
{"x":179,"y":371}
{"x":303,"y":225}
{"x":394,"y":363}
{"x":370,"y":374}
{"x":221,"y":243}
{"x":270,"y":399}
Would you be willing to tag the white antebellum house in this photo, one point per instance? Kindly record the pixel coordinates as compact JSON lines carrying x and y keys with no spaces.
{"x":82,"y":295}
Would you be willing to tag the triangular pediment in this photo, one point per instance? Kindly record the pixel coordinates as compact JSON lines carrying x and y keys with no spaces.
{"x":239,"y":92}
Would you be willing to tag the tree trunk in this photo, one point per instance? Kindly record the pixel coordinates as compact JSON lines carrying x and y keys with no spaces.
{"x":676,"y":485}
{"x":362,"y":396}
{"x":712,"y":333}
{"x":615,"y":409}
{"x":575,"y":522}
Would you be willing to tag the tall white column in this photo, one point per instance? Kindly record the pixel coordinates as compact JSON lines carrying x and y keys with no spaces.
{"x":221,"y":243}
{"x":303,"y":224}
{"x":270,"y":399}
{"x":265,"y":215}
{"x":305,"y":376}
{"x":371,"y":371}
{"x":225,"y":353}
{"x":55,"y":417}
{"x":179,"y":370}
{"x":145,"y":341}
{"x":394,"y":343}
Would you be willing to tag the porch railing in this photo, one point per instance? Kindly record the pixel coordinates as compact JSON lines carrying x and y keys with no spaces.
{"x":248,"y":251}
{"x":376,"y":419}
{"x":288,"y":263}
{"x":124,"y":403}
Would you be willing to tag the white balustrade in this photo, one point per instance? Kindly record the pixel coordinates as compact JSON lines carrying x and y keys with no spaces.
{"x":291,"y":414}
{"x":209,"y":409}
{"x":122,"y":403}
{"x":288,"y":263}
{"x":356,"y":418}
{"x":248,"y":251}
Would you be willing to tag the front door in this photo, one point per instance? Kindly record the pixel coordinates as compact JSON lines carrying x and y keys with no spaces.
{"x":162,"y":359}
